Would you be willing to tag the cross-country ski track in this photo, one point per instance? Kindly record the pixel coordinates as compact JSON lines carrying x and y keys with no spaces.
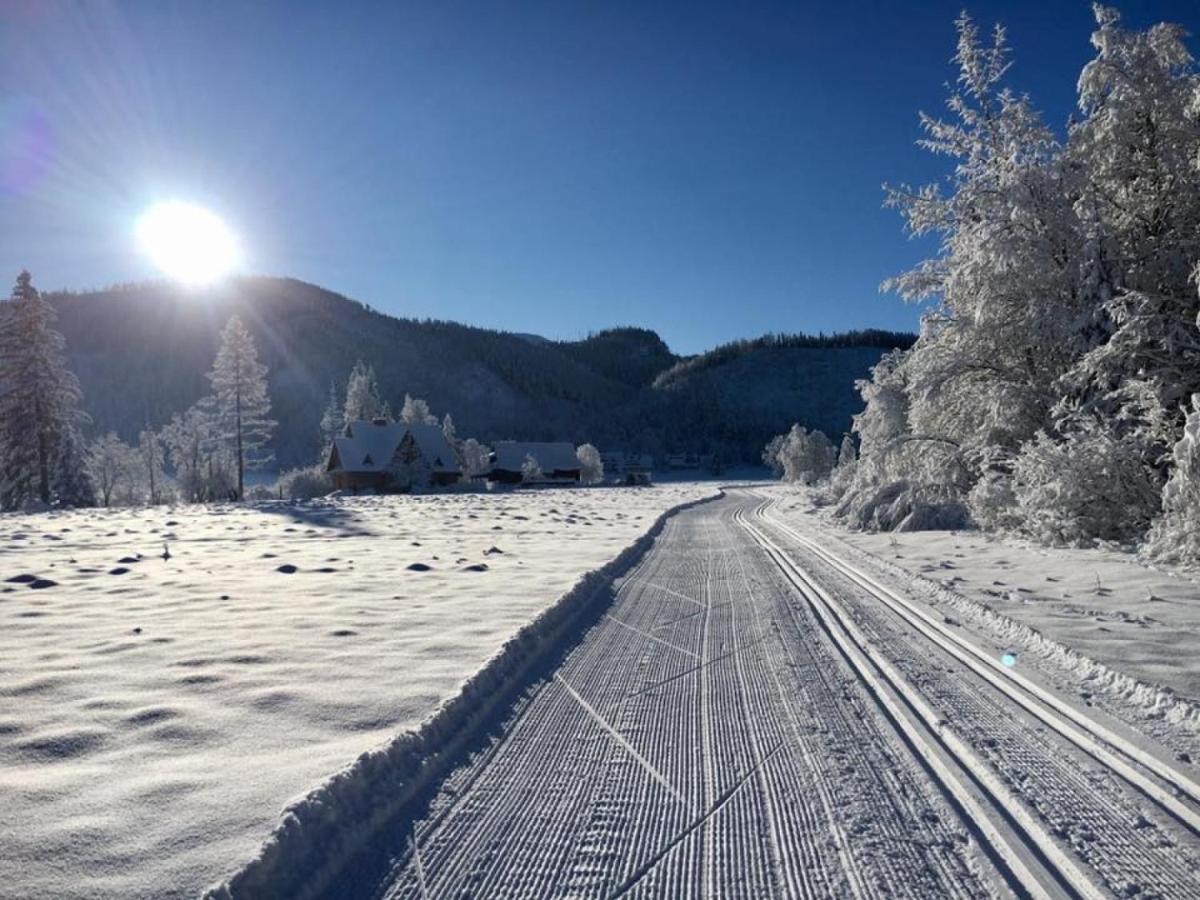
{"x":756,"y":716}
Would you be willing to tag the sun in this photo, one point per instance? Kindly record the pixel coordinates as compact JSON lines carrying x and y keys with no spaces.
{"x":188,"y":243}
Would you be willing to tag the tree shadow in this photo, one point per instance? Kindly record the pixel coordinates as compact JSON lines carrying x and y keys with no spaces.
{"x":317,"y":514}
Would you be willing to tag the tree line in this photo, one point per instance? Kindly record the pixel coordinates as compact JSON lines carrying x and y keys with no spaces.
{"x":44,"y":460}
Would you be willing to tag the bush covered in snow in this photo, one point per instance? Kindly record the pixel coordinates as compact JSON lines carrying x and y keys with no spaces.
{"x":1092,"y":486}
{"x":1176,"y":534}
{"x":305,"y":484}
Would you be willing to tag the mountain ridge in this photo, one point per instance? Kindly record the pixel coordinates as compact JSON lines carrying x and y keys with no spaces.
{"x":141,"y":352}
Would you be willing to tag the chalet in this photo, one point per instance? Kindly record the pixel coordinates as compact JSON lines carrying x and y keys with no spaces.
{"x":391,"y":456}
{"x":557,"y":461}
{"x":613,"y":462}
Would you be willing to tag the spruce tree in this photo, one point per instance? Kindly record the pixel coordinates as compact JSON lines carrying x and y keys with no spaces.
{"x":39,"y":399}
{"x":239,"y":383}
{"x":332,"y":420}
{"x":71,"y":481}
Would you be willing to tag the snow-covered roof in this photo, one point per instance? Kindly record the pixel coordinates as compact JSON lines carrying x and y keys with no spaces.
{"x":370,"y":446}
{"x":558,"y":456}
{"x":432,"y":443}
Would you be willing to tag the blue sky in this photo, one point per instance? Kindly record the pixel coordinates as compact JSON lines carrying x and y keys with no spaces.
{"x":711,"y":171}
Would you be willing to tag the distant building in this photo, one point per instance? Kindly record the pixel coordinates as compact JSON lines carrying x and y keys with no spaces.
{"x":391,"y":456}
{"x":614,"y":462}
{"x":557,"y":462}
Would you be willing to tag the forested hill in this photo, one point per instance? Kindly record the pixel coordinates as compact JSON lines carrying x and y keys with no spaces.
{"x":142,"y":351}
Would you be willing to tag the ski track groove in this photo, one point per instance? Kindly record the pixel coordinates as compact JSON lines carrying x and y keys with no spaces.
{"x":1129,"y":844}
{"x":724,"y":746}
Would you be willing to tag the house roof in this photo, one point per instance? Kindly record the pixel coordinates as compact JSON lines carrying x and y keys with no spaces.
{"x":552,"y":457}
{"x":370,"y":447}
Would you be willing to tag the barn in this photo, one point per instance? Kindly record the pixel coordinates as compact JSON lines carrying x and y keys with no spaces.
{"x":557,"y":461}
{"x":391,"y":456}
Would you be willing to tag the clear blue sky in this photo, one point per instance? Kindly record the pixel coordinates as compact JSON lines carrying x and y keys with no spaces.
{"x":711,"y":171}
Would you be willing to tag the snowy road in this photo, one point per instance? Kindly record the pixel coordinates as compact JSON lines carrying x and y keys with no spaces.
{"x":757,"y":717}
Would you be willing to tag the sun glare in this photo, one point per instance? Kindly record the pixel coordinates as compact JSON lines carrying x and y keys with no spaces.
{"x":188,"y":243}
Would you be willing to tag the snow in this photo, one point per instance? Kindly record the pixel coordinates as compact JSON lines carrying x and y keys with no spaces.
{"x":1116,"y":623}
{"x":157,"y":714}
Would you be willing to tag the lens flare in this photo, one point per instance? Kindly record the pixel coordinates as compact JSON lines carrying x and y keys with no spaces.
{"x":188,"y":243}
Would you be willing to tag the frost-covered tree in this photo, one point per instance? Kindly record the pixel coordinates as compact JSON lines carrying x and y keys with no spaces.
{"x":110,"y":463}
{"x":242,"y":405}
{"x":416,"y":412}
{"x":531,"y":469}
{"x":847,"y":455}
{"x":476,"y":457}
{"x":1005,"y":324}
{"x":1138,"y":147}
{"x":150,"y":458}
{"x":770,"y":455}
{"x":1044,"y":391}
{"x":39,"y":397}
{"x":805,"y":456}
{"x":333,"y":420}
{"x":450,"y":433}
{"x":363,"y":403}
{"x":591,"y":466}
{"x":1176,"y":533}
{"x":193,"y":438}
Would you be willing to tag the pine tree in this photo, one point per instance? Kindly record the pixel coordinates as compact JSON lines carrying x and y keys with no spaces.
{"x":72,"y":481}
{"x":332,"y":420}
{"x":39,"y":398}
{"x":362,"y":396}
{"x":239,"y":383}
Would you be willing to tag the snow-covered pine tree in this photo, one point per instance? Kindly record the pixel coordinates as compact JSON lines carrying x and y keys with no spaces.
{"x":110,"y":465}
{"x":72,"y":481}
{"x":39,"y":398}
{"x":416,"y":412}
{"x":363,"y":403}
{"x":333,"y":419}
{"x":239,"y":383}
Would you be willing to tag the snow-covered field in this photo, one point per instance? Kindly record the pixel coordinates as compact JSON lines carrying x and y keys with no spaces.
{"x":170,"y":679}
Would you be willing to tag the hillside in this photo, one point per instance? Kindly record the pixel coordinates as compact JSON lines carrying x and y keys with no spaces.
{"x":142,"y":351}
